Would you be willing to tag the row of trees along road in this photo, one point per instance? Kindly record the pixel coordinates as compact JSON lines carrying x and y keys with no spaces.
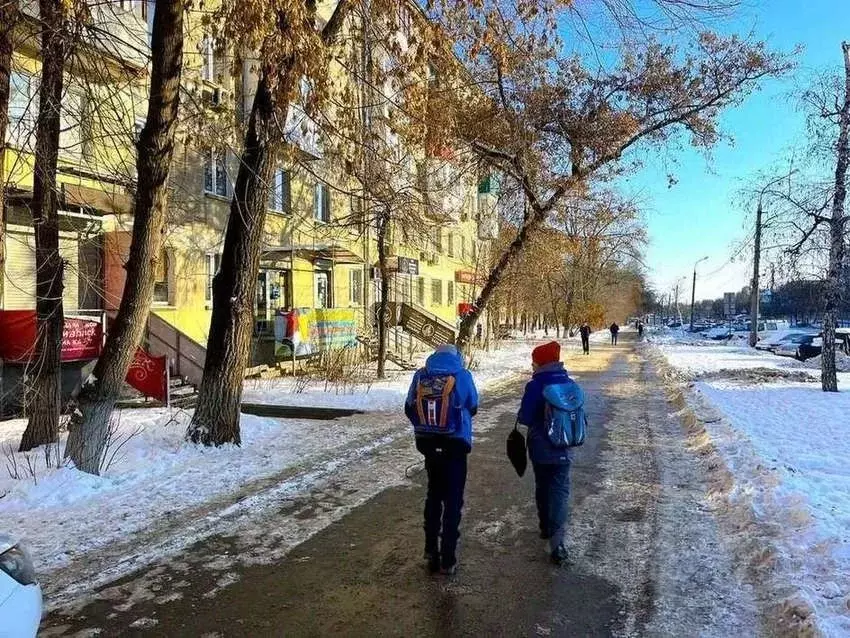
{"x":805,"y":220}
{"x":512,"y":97}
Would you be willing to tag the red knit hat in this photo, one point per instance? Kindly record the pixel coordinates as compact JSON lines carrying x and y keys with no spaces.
{"x":547,"y":353}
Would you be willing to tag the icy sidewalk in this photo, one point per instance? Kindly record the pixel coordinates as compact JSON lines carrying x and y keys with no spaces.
{"x":784,"y":443}
{"x":159,"y":486}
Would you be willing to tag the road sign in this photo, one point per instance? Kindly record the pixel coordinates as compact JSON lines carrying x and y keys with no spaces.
{"x":729,"y":304}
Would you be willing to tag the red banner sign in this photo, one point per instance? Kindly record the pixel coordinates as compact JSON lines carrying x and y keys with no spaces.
{"x":464,"y":309}
{"x":82,"y":339}
{"x":149,"y":375}
{"x":467,"y":277}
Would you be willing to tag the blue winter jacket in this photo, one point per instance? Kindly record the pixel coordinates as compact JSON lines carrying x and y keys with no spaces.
{"x":540,"y":450}
{"x":446,"y":360}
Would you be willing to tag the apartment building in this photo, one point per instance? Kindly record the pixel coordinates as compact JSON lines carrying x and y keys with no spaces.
{"x":317,"y":259}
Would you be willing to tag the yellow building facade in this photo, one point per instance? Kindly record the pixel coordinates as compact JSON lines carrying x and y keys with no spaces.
{"x":315,"y":257}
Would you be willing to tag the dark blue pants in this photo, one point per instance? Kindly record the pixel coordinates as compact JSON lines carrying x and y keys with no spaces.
{"x":443,"y":503}
{"x":552,"y":492}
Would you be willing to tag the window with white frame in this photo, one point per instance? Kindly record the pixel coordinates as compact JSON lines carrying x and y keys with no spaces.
{"x":437,"y":292}
{"x":463,"y":247}
{"x":215,"y":174}
{"x":76,"y":134}
{"x":450,"y":292}
{"x":451,"y":245}
{"x":438,"y":239}
{"x":322,"y":203}
{"x":23,"y":109}
{"x":420,"y":291}
{"x":355,"y":286}
{"x":212,"y":265}
{"x":279,"y":197}
{"x":207,"y":58}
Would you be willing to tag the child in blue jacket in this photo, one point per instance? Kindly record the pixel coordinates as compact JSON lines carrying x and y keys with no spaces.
{"x":445,"y":457}
{"x":551,"y":464}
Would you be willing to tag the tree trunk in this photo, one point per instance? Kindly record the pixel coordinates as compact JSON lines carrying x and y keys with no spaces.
{"x":383,"y":336}
{"x":8,"y":20}
{"x":495,"y":277}
{"x":216,"y":419}
{"x":837,"y":224}
{"x":44,"y":392}
{"x":155,"y":149}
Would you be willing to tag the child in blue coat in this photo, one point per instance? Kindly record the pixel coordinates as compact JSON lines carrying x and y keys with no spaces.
{"x":551,"y":464}
{"x":445,"y":454}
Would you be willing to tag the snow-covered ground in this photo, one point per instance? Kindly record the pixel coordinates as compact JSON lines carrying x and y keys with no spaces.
{"x":159,"y":481}
{"x":785,"y":443}
{"x":512,"y":357}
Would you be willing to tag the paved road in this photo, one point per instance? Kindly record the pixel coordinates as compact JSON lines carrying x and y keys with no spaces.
{"x":646,"y":558}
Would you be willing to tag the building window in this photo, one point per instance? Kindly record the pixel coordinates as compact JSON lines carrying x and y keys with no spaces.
{"x":451,"y":244}
{"x":208,"y":58}
{"x":438,"y":239}
{"x":474,"y":251}
{"x":215,"y":174}
{"x":355,"y":287}
{"x":322,"y":280}
{"x":161,"y":277}
{"x":212,"y":265}
{"x":463,"y":247}
{"x":450,"y":293}
{"x":23,"y":107}
{"x":437,"y":292}
{"x":420,"y":291}
{"x":322,"y":203}
{"x":279,"y":197}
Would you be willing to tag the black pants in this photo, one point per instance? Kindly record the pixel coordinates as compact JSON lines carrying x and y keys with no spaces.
{"x":443,"y":503}
{"x":613,"y":338}
{"x":585,"y":345}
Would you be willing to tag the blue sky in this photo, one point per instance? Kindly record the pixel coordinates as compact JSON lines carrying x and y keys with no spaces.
{"x":702,"y":215}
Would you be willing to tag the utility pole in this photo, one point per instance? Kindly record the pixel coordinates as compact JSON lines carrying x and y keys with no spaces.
{"x":694,"y":291}
{"x":754,"y":289}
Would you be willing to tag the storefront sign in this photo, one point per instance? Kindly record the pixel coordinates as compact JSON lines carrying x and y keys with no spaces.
{"x":149,"y":375}
{"x":467,"y":277}
{"x":408,"y":266}
{"x":464,"y":309}
{"x":82,"y":339}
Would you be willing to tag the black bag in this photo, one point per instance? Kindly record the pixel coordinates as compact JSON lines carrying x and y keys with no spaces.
{"x":516,"y":450}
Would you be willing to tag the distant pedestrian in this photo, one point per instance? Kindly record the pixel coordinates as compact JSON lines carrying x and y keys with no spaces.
{"x":585,"y":337}
{"x":551,"y":405}
{"x":615,"y":330}
{"x":440,"y":404}
{"x":640,"y":328}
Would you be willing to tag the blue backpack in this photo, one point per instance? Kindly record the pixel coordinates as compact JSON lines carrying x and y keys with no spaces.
{"x":563,"y":414}
{"x":435,"y":408}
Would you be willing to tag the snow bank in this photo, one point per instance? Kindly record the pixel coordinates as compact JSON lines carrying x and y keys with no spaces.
{"x":842,"y":362}
{"x":786,"y":448}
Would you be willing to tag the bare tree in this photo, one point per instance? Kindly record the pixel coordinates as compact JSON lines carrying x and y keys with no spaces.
{"x":8,"y":22}
{"x":155,"y":149}
{"x":44,"y":390}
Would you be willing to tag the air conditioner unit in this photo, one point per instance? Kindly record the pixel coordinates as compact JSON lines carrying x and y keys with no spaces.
{"x":220,"y":97}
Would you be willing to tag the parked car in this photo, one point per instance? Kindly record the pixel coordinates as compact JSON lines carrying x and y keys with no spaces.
{"x":799,"y":346}
{"x":674,"y":324}
{"x":771,"y":342}
{"x":20,"y":593}
{"x":718,"y":333}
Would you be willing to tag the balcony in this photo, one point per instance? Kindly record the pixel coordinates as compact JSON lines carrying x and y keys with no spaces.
{"x":302,"y":132}
{"x":121,"y":33}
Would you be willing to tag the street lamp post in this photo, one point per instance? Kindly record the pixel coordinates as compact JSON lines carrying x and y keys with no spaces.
{"x":694,"y":290}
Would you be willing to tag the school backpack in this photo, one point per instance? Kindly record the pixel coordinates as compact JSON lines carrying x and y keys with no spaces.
{"x":563,"y":414}
{"x":436,"y":409}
